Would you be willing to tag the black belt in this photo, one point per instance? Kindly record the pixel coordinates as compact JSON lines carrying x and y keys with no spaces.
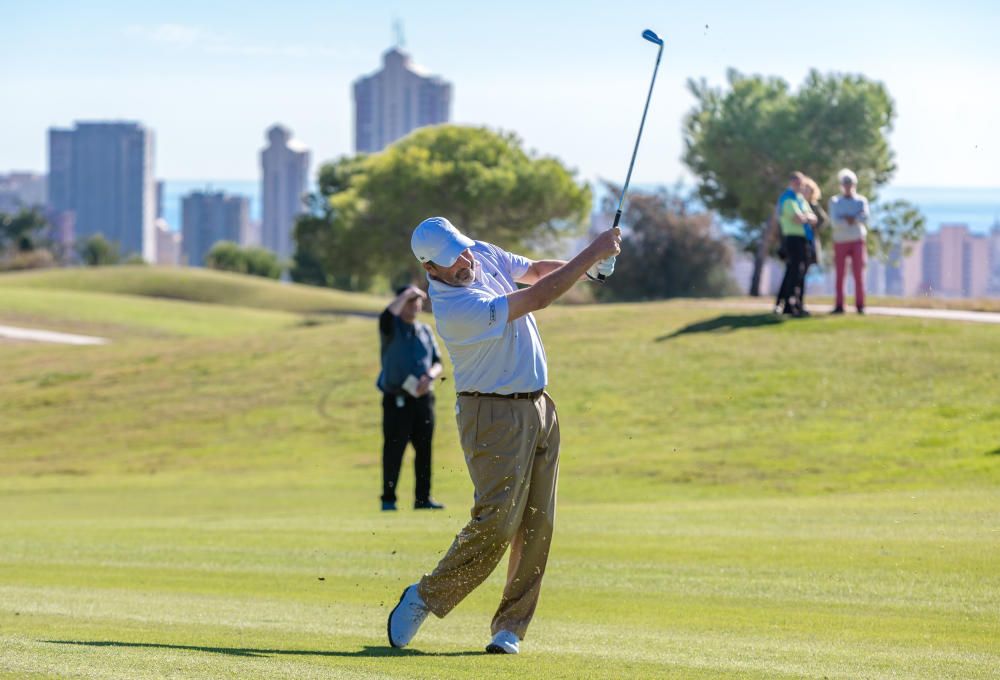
{"x":516,"y":395}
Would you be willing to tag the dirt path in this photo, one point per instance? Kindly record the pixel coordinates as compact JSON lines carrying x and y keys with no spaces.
{"x":36,"y":335}
{"x":911,"y":312}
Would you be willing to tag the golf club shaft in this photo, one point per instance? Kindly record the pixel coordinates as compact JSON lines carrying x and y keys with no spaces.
{"x":642,"y":123}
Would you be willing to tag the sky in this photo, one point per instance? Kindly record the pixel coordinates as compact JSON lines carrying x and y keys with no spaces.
{"x":570,"y":78}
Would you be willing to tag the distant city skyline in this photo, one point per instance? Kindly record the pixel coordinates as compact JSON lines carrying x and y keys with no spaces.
{"x":209,"y":218}
{"x":569,"y":78}
{"x":397,"y":99}
{"x":100,"y":177}
{"x":284,"y":183}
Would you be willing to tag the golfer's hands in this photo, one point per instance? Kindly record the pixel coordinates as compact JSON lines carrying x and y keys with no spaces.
{"x":602,"y":269}
{"x":605,"y":247}
{"x":607,"y":244}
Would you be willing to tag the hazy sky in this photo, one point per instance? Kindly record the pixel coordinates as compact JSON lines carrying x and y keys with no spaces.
{"x":569,"y":77}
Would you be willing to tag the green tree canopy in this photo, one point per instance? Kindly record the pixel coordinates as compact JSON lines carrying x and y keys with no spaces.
{"x":231,"y":257}
{"x":483,"y":181}
{"x":895,"y":226}
{"x":668,"y":250}
{"x":262,"y":262}
{"x":97,"y":251}
{"x":23,"y":231}
{"x":742,"y":141}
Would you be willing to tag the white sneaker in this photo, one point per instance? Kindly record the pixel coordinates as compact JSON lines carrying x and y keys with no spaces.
{"x":406,"y":617}
{"x":504,"y":642}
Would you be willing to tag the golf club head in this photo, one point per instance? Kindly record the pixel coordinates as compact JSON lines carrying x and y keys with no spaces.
{"x":652,"y":37}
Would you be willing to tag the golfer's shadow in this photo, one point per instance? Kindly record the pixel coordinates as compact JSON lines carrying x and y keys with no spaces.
{"x":726,"y":323}
{"x":368,"y":651}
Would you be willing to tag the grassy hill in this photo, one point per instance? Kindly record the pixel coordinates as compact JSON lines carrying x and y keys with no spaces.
{"x":740,"y":496}
{"x":195,"y":284}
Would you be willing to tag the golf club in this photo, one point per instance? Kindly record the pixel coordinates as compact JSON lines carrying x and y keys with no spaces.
{"x":656,"y":40}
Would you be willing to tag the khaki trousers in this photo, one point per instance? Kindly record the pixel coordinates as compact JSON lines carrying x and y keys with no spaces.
{"x":512,"y":451}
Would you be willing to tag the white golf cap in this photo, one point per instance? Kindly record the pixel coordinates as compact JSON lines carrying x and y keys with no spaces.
{"x":437,"y":240}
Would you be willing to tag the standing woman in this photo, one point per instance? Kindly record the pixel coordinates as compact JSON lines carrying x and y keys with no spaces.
{"x":812,"y":194}
{"x":794,"y":215}
{"x":850,"y":216}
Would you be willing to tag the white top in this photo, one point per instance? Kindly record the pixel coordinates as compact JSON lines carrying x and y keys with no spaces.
{"x":489,"y":353}
{"x":856,"y":207}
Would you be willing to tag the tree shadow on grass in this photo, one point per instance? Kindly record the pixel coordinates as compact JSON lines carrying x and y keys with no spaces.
{"x":727,"y":323}
{"x":368,"y":651}
{"x":994,"y":452}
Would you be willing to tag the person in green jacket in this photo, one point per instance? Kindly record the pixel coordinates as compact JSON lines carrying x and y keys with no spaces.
{"x":794,"y":214}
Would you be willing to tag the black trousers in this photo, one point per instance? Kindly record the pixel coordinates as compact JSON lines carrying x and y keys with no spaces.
{"x":411,"y":422}
{"x":793,"y":286}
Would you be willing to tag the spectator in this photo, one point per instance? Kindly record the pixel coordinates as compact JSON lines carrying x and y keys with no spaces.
{"x":811,"y":192}
{"x":794,"y":214}
{"x":410,"y":363}
{"x":849,"y":213}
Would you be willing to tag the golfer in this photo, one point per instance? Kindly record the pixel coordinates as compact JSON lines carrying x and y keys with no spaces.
{"x":507,"y":424}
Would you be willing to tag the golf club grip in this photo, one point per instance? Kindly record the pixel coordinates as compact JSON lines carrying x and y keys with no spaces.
{"x":618,"y":218}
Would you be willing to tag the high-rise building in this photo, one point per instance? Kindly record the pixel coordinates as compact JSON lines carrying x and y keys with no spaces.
{"x":904,"y":275}
{"x":943,"y":252}
{"x":61,"y":171}
{"x":252,"y":236}
{"x":103,"y":174}
{"x":285,"y":181}
{"x":160,"y":192}
{"x":975,"y":266}
{"x":210,"y":217}
{"x":22,"y":190}
{"x":168,"y":244}
{"x":994,"y":287}
{"x":399,"y":98}
{"x":876,"y":277}
{"x":956,"y":263}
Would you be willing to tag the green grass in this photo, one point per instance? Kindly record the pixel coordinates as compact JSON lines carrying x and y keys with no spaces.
{"x":991,"y":304}
{"x":123,"y":316}
{"x":195,"y":285}
{"x":739,"y":497}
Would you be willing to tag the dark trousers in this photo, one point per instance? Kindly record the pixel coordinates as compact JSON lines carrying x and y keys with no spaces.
{"x":793,"y":287}
{"x":411,"y":422}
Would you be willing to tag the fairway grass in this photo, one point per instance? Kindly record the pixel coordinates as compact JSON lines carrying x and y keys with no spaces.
{"x":740,"y":496}
{"x":195,"y":284}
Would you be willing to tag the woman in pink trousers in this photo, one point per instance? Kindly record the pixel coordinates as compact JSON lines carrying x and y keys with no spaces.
{"x":849,"y":214}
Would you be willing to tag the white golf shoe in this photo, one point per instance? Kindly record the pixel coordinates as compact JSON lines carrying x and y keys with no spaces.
{"x":504,"y":642}
{"x":405,"y":619}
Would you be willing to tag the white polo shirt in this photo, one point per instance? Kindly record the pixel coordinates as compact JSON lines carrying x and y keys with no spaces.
{"x":489,"y":353}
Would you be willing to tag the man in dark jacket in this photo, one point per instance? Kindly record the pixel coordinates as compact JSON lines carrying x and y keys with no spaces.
{"x":410,"y":364}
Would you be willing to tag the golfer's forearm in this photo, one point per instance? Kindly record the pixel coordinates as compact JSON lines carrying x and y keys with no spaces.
{"x":550,"y":287}
{"x":538,"y":269}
